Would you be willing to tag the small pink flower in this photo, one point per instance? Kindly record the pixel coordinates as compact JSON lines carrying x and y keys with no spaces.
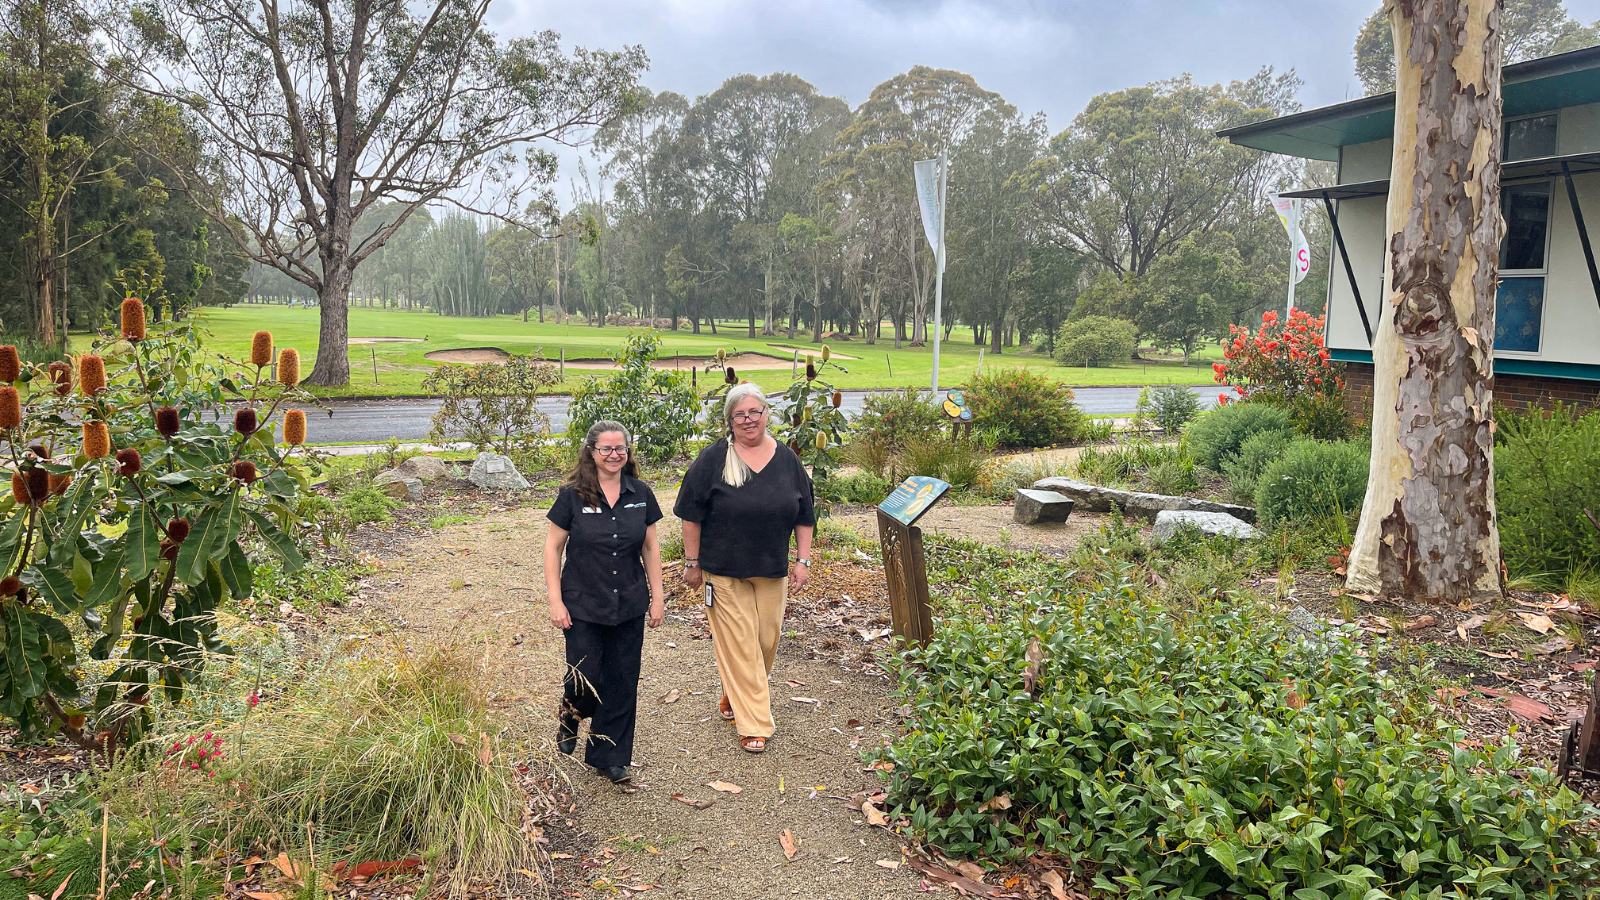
{"x":253,"y":699}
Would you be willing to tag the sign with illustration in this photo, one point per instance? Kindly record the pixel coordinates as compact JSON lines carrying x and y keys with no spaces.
{"x":912,"y":498}
{"x":955,"y":406}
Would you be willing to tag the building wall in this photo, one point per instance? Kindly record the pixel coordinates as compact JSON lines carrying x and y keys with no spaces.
{"x":1510,"y":391}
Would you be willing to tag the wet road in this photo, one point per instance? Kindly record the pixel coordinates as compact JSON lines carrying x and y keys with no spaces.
{"x":376,"y":421}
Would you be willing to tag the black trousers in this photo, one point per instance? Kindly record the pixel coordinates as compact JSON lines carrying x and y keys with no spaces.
{"x":602,"y":685}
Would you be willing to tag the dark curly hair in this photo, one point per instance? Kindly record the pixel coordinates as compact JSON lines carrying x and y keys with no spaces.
{"x":585,"y":476}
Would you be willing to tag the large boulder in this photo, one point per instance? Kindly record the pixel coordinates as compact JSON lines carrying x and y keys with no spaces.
{"x":425,"y":468}
{"x":1138,"y":504}
{"x":493,"y":472}
{"x":1170,"y":521}
{"x":1035,"y":507}
{"x":398,"y":486}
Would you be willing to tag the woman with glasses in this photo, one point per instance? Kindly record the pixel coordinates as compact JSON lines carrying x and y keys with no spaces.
{"x":605,"y":520}
{"x":741,"y":501}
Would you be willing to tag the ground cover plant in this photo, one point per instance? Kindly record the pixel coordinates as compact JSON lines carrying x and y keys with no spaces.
{"x":1208,"y":750}
{"x":1547,"y":493}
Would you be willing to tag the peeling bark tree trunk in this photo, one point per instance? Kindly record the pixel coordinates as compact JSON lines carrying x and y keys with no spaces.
{"x":1428,"y":523}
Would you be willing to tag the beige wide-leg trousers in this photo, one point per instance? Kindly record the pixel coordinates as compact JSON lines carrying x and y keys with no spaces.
{"x":746,"y":619}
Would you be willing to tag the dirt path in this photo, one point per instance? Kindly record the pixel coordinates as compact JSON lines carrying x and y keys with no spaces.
{"x":482,"y":581}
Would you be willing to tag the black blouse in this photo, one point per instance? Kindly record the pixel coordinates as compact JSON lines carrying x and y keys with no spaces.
{"x":744,"y":532}
{"x":603,"y":580}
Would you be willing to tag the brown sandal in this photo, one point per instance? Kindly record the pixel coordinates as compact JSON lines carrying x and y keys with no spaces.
{"x":726,"y":708}
{"x":753,"y":744}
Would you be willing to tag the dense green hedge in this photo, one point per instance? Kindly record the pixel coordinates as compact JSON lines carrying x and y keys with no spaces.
{"x":1313,"y":480}
{"x":1547,"y":473}
{"x":1214,"y":753}
{"x":1216,"y":437}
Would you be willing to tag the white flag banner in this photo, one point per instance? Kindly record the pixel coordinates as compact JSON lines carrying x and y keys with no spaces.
{"x":927,"y":172}
{"x":1289,"y":214}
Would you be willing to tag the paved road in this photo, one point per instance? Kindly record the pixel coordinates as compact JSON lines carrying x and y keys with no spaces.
{"x":375,"y":421}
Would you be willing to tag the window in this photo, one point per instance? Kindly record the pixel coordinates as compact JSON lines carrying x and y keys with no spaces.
{"x":1519,"y":299}
{"x":1531,"y":138}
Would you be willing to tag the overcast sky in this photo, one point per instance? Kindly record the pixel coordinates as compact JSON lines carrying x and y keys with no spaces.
{"x":1049,"y":55}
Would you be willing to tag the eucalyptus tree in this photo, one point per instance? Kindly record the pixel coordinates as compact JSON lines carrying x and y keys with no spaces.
{"x":318,"y":113}
{"x":1530,"y":29}
{"x":639,"y":147}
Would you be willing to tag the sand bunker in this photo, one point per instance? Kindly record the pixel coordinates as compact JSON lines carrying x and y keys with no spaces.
{"x":813,"y":350}
{"x":469,"y":355}
{"x":685,"y":363}
{"x":383,"y":340}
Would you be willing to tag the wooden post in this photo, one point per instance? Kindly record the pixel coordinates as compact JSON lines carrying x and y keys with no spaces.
{"x":563,"y":370}
{"x":906,"y":570}
{"x":374,"y":365}
{"x":890,"y":363}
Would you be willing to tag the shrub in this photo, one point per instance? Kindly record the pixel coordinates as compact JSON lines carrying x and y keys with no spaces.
{"x":897,"y":418}
{"x":1258,"y":451}
{"x":1212,"y":752}
{"x":1215,"y":437}
{"x":957,"y":462}
{"x":658,"y":407}
{"x":859,"y":489}
{"x":1280,"y":361}
{"x":1096,"y":341}
{"x":493,"y":406}
{"x":1173,"y":406}
{"x":811,"y":423}
{"x":1163,"y":468}
{"x":1024,"y":409}
{"x":1313,"y":480}
{"x":1547,"y":479}
{"x":133,"y":526}
{"x":361,"y":504}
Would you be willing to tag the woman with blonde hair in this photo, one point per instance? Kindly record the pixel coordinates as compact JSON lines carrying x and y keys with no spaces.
{"x":741,"y":500}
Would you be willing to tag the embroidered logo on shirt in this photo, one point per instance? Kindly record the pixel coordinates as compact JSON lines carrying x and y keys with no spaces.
{"x":591,"y":509}
{"x":633,"y":506}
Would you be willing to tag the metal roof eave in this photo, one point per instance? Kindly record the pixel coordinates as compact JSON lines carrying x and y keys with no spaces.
{"x":1543,"y":167}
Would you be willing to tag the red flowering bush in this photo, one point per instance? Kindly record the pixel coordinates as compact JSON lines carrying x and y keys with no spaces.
{"x":1281,"y":362}
{"x":196,"y":754}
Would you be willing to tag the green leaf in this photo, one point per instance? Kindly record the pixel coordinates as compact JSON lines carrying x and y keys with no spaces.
{"x":107,"y":581}
{"x":23,"y":654}
{"x":55,"y":586}
{"x":192,"y":554}
{"x":142,"y":544}
{"x":1223,"y":854}
{"x":236,"y":571}
{"x":1409,"y":864}
{"x":281,"y":542}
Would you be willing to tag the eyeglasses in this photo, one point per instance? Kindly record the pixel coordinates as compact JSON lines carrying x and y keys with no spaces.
{"x":748,"y":417}
{"x":611,"y":451}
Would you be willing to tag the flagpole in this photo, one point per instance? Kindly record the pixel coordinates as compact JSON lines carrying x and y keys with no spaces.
{"x":938,"y":268}
{"x":1294,"y":261}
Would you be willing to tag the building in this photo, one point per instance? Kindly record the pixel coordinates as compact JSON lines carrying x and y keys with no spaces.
{"x":1547,"y":316}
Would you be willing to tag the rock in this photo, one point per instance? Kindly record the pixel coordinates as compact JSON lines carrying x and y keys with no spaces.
{"x":427,"y":468}
{"x":493,"y":472}
{"x":1169,"y":521}
{"x":1034,"y":507}
{"x":1138,"y":504}
{"x":398,"y":486}
{"x":1302,"y":622}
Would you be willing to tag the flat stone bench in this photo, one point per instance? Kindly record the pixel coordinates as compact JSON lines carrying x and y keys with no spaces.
{"x":1093,"y":498}
{"x":1170,"y":521}
{"x":1034,"y":507}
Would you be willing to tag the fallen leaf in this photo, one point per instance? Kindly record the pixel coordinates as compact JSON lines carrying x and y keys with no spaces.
{"x":1557,"y":644}
{"x":1421,"y":622}
{"x":263,"y":895}
{"x":961,"y":882}
{"x":787,"y":840}
{"x":1539,"y":623}
{"x":1030,"y":673}
{"x":458,"y":740}
{"x":971,"y":870}
{"x":1001,"y":801}
{"x":883,"y":765}
{"x":287,"y":866}
{"x":1585,"y":666}
{"x":562,"y":856}
{"x":725,"y":787}
{"x":1463,"y":627}
{"x":1052,"y":880}
{"x":1525,"y":708}
{"x":795,"y":684}
{"x":485,"y":749}
{"x":386,"y":867}
{"x":672,"y":696}
{"x":62,"y":886}
{"x":697,"y":804}
{"x":874,"y":815}
{"x":1294,"y":700}
{"x":1495,"y":655}
{"x":889,"y":863}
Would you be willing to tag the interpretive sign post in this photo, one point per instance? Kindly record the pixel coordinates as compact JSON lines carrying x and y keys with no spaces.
{"x":904,"y":567}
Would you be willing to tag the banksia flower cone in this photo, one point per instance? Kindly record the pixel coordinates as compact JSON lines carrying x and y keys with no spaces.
{"x":822,"y":440}
{"x":38,"y":484}
{"x":133,"y":319}
{"x":261,"y":349}
{"x":811,"y":372}
{"x":838,"y":399}
{"x":244,"y":422}
{"x":729,"y":376}
{"x":61,"y":377}
{"x":167,"y":421}
{"x":294,"y":427}
{"x":96,"y":439}
{"x":245,"y":471}
{"x":826,"y":352}
{"x":10,"y":407}
{"x":9,"y":586}
{"x":60,"y":483}
{"x":177,"y":530}
{"x":288,"y":367}
{"x":129,"y":462}
{"x":10,"y":364}
{"x":19,"y":488}
{"x":91,"y":375}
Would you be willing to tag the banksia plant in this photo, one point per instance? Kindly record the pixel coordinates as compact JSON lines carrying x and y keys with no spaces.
{"x":177,"y":530}
{"x":261,"y":349}
{"x":19,"y":488}
{"x":729,"y":377}
{"x":10,"y":364}
{"x":822,"y":440}
{"x":244,"y":422}
{"x":10,"y":408}
{"x":245,"y":471}
{"x":294,"y":427}
{"x":60,"y":483}
{"x":91,"y":375}
{"x":826,"y":352}
{"x":38,"y":484}
{"x":167,"y":421}
{"x":838,"y":399}
{"x":9,"y":586}
{"x":288,"y":367}
{"x":129,"y":462}
{"x":811,"y":371}
{"x":133,"y":319}
{"x":61,"y":377}
{"x":96,"y":439}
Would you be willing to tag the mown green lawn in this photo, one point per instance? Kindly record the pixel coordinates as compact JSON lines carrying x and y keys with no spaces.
{"x":402,"y":366}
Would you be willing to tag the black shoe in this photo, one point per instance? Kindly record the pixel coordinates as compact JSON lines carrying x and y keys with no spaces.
{"x":617,"y":774}
{"x":567,"y":736}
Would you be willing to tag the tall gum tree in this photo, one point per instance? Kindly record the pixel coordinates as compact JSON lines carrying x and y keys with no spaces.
{"x":1427,"y":527}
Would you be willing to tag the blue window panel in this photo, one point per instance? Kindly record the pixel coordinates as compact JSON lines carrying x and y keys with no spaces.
{"x":1518,"y":314}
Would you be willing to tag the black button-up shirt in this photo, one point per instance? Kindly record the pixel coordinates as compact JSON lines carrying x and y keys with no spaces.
{"x":603,"y":580}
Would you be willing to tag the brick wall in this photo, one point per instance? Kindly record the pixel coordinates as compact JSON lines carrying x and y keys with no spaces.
{"x":1510,"y":391}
